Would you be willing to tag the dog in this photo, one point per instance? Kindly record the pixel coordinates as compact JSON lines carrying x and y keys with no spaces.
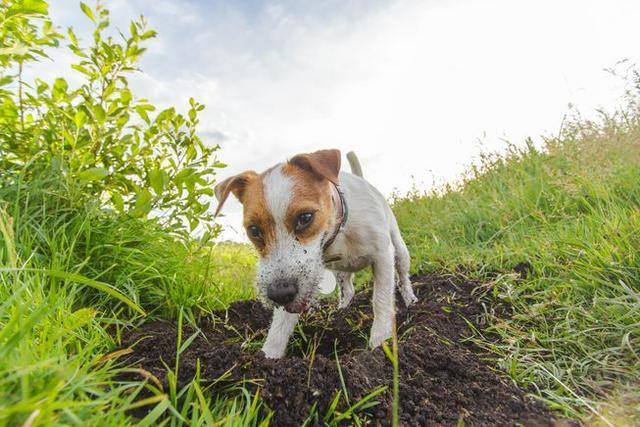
{"x":305,"y":216}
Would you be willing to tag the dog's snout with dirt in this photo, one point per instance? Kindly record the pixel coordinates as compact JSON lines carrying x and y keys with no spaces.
{"x":304,"y":217}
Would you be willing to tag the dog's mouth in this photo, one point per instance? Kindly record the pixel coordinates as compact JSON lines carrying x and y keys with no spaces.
{"x":297,"y":307}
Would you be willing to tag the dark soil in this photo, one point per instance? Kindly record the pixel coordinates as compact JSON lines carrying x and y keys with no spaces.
{"x":444,"y":378}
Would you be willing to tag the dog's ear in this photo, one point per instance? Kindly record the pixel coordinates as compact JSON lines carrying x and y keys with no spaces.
{"x":235,"y":184}
{"x":323,"y":163}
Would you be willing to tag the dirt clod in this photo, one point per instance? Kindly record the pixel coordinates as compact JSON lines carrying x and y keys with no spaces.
{"x":444,"y":378}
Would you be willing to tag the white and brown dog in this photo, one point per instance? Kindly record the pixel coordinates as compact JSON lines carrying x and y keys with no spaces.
{"x":304,"y":216}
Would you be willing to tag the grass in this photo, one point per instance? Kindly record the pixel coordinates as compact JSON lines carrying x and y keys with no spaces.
{"x":73,"y":276}
{"x":570,"y":214}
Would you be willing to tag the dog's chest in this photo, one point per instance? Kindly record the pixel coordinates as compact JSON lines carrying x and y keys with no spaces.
{"x":343,"y":256}
{"x":351,"y":264}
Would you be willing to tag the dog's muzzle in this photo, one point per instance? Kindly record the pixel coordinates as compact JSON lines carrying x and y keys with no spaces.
{"x":283,"y":293}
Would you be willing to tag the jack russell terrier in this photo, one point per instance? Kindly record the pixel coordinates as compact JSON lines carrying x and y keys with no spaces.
{"x":304,"y":216}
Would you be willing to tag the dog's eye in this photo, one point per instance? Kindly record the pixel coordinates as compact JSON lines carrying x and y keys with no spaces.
{"x":254,"y":232}
{"x":304,"y":220}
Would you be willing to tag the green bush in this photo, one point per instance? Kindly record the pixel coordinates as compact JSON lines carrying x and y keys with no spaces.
{"x":115,"y":148}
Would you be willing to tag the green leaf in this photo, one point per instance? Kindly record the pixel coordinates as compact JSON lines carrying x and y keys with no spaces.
{"x":142,"y":109}
{"x":61,"y":84}
{"x":80,"y":118}
{"x":5,"y":80}
{"x":143,"y":203}
{"x":126,"y":96}
{"x":83,"y":70}
{"x":72,"y":36}
{"x":87,"y":11}
{"x":183,"y":175}
{"x":99,"y":113}
{"x":151,"y":418}
{"x":133,"y":29}
{"x":31,"y":7}
{"x":118,"y":202}
{"x":59,"y":89}
{"x":156,"y":179}
{"x":79,"y":318}
{"x":93,"y":174}
{"x":148,"y":34}
{"x":17,"y":49}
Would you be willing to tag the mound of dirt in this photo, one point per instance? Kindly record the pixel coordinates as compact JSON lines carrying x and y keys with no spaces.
{"x":444,"y":379}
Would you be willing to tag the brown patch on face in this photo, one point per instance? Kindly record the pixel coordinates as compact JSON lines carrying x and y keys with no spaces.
{"x":311,"y":194}
{"x":247,"y":187}
{"x":256,"y":214}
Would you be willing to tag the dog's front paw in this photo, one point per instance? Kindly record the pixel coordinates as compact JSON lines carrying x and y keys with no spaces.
{"x":408,"y":296}
{"x":379,"y":334}
{"x":273,"y":353}
{"x":345,"y":299}
{"x":344,"y":303}
{"x":409,"y":299}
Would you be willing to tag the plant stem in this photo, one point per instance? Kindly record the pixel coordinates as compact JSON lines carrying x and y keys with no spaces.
{"x":20,"y":95}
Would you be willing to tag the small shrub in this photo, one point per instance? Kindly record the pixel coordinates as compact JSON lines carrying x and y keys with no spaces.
{"x":115,"y":147}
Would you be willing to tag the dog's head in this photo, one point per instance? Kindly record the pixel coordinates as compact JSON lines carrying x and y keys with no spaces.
{"x":288,"y":215}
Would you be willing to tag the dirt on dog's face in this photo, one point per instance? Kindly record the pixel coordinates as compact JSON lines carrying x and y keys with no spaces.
{"x":288,"y":215}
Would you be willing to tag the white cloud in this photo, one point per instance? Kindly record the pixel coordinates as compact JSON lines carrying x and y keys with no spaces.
{"x":409,"y":85}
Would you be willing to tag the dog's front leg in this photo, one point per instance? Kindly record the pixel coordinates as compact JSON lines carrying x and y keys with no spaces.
{"x":346,"y":291}
{"x":282,"y":324}
{"x":384,"y":309}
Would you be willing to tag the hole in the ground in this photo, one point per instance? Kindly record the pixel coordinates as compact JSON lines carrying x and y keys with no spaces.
{"x":443,"y":378}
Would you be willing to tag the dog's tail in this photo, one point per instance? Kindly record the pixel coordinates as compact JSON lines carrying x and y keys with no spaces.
{"x":354,"y":164}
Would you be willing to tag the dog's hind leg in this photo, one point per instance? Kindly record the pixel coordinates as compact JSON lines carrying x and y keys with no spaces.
{"x":344,"y":280}
{"x":282,"y":325}
{"x":384,"y":308}
{"x":403,"y":261}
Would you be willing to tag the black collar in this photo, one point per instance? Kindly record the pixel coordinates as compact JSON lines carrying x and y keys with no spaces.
{"x":341,"y":220}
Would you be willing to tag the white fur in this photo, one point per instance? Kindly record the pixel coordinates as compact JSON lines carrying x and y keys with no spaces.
{"x":288,"y":259}
{"x":370,"y":238}
{"x":278,"y":189}
{"x":282,"y":326}
{"x":328,"y":283}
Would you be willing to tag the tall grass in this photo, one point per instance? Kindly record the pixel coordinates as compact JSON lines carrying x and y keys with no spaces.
{"x":71,"y":277}
{"x":568,"y":216}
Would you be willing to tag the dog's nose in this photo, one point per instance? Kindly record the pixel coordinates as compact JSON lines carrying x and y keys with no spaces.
{"x":282,"y":292}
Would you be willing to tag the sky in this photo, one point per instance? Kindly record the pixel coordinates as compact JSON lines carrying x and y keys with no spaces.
{"x":418,"y":89}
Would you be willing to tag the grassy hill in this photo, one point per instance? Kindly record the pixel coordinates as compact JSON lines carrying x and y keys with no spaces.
{"x":557,"y":230}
